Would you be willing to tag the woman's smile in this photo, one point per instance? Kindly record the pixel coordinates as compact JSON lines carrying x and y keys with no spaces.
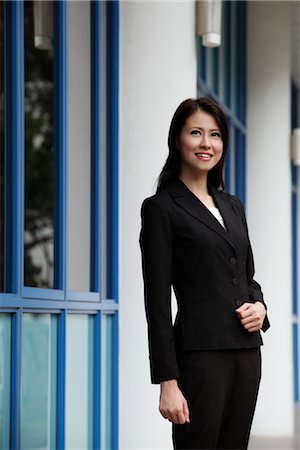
{"x":203,"y":156}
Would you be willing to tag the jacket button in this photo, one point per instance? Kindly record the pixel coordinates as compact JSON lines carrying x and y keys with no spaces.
{"x":238,"y":303}
{"x":235,"y":281}
{"x":233,"y":260}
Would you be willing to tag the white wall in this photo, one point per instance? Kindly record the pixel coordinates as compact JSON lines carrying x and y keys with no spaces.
{"x":157,"y":72}
{"x":268,"y":196}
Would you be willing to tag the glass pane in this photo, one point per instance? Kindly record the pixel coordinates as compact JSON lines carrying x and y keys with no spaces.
{"x":79,"y":381}
{"x":5,"y":169}
{"x":39,"y":145}
{"x":5,"y":375}
{"x":200,"y":50}
{"x":38,"y":383}
{"x":106,"y":377}
{"x":211,"y":68}
{"x":79,"y":145}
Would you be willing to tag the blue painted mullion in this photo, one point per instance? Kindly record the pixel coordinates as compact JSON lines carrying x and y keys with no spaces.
{"x":112,"y":108}
{"x":62,"y":138}
{"x":17,"y":155}
{"x":112,"y":146}
{"x":61,"y":81}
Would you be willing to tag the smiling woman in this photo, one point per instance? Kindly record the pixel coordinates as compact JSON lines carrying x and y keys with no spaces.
{"x":194,"y":238}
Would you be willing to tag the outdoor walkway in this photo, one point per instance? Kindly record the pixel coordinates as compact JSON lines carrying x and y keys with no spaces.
{"x":279,"y":443}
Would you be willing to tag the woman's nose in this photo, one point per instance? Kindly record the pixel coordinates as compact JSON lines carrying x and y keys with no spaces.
{"x":205,"y":142}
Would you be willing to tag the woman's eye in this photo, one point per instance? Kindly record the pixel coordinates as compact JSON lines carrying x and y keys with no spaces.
{"x":216,"y":134}
{"x":195,"y":132}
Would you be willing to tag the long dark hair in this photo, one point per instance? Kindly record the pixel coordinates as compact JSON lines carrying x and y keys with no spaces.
{"x":172,"y":166}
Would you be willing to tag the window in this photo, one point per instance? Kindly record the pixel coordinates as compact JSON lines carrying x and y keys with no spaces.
{"x":6,"y":256}
{"x":5,"y":375}
{"x":38,"y":381}
{"x":40,"y":171}
{"x":58,"y":224}
{"x":79,"y":381}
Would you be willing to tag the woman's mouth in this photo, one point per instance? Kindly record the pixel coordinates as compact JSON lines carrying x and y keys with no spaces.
{"x":203,"y":156}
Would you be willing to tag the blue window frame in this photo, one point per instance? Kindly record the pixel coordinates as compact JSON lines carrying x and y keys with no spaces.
{"x":295,"y":222}
{"x":222,"y":76}
{"x":102,"y":299}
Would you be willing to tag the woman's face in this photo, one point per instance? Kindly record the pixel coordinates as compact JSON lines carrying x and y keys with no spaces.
{"x":200,"y":143}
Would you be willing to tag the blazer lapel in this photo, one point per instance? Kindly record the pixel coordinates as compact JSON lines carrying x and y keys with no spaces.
{"x":192,"y":205}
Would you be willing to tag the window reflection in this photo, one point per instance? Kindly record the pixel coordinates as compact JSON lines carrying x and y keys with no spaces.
{"x":5,"y":168}
{"x":5,"y":375}
{"x":39,"y":381}
{"x":79,"y":381}
{"x":39,"y":157}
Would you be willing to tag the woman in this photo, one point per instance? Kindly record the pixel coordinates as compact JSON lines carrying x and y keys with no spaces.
{"x":194,"y":237}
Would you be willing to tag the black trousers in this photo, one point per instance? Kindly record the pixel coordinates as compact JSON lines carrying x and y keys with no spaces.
{"x":221,"y":388}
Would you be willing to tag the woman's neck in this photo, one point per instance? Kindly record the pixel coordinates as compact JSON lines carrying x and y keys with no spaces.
{"x":197,"y":183}
{"x":198,"y":186}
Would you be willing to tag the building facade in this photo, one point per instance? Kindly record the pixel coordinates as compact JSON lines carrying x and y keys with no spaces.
{"x":88,"y":90}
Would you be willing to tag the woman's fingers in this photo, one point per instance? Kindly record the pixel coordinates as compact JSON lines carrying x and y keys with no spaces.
{"x":186,"y":411}
{"x":173,"y":406}
{"x":251,"y":316}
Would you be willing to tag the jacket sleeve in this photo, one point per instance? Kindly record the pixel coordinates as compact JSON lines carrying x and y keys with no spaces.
{"x":255,"y":292}
{"x":156,"y":247}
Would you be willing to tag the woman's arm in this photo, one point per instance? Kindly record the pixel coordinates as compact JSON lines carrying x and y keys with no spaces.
{"x":253,"y":316}
{"x":156,"y":247}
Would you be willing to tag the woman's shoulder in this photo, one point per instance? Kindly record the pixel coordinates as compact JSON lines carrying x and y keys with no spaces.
{"x":234,"y":199}
{"x":161,"y":201}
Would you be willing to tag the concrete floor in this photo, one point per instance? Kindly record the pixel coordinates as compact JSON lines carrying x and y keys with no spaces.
{"x":286,"y":443}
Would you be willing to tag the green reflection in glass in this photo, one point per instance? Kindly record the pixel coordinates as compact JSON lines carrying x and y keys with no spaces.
{"x":5,"y":171}
{"x":39,"y":158}
{"x":79,"y":381}
{"x":106,"y":377}
{"x":5,"y":370}
{"x":38,"y":384}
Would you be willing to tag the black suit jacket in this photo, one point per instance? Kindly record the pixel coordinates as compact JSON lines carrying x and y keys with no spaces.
{"x":211,"y":270}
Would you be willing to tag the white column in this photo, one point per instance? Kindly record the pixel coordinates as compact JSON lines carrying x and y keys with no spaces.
{"x":269,"y":203}
{"x":157,"y":72}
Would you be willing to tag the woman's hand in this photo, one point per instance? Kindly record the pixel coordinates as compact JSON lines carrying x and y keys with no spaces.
{"x":251,"y":315}
{"x":172,"y":404}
